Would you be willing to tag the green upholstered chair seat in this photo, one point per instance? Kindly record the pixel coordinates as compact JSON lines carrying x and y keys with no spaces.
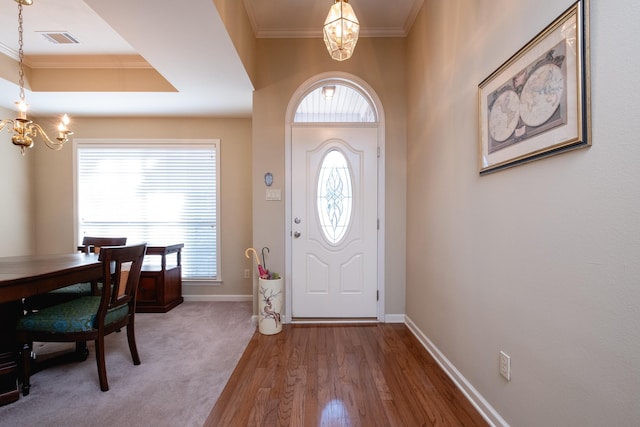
{"x":78,"y":315}
{"x":77,"y":289}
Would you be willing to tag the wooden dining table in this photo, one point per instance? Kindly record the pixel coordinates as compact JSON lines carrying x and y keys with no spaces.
{"x":25,"y":276}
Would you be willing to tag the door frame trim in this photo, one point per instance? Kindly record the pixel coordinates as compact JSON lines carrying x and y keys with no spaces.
{"x":368,"y":92}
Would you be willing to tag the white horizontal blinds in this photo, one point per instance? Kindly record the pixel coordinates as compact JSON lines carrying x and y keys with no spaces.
{"x":157,"y":194}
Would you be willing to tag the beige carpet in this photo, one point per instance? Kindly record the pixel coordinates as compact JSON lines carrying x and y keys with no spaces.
{"x":187,"y":356}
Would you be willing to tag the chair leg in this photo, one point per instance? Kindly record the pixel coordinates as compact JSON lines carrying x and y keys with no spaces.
{"x":26,"y":350}
{"x":131,"y":338}
{"x":82,"y":352}
{"x":102,"y":368}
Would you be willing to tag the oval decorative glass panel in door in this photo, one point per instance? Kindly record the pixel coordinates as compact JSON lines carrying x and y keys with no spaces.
{"x":334,"y":200}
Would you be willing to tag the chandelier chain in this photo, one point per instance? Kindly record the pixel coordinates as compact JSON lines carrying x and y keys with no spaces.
{"x":20,"y":51}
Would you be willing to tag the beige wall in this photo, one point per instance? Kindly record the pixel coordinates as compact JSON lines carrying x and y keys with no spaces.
{"x":16,"y":214}
{"x":54,"y":216}
{"x":540,"y":260}
{"x":284,"y":65}
{"x":237,"y":24}
{"x":8,"y":68}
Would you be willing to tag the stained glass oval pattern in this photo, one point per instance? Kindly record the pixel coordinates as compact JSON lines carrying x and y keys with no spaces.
{"x":334,"y":198}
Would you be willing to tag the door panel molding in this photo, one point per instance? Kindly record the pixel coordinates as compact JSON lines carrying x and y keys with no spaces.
{"x":353,"y":259}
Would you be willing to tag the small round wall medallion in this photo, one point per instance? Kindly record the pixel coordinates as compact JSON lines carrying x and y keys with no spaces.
{"x":268,"y":179}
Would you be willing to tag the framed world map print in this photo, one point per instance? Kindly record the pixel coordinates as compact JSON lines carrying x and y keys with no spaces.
{"x":537,"y":103}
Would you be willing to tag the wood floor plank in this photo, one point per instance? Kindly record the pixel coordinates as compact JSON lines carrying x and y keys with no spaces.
{"x":340,"y":375}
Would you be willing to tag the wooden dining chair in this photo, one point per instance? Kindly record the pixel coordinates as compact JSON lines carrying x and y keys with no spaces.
{"x":91,"y":244}
{"x":58,"y":296}
{"x":89,"y":317}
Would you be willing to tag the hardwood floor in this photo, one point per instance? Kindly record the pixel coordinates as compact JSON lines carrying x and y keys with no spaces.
{"x":345,"y":375}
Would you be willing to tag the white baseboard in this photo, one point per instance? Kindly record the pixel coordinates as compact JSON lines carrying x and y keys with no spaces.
{"x":218,"y":298}
{"x":476,"y":399}
{"x":394,"y":318}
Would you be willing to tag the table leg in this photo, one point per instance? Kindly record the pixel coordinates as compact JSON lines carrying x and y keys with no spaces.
{"x":9,"y":314}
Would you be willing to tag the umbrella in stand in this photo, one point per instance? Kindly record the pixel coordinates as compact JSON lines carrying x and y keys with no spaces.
{"x":264,"y":263}
{"x":262,"y":272}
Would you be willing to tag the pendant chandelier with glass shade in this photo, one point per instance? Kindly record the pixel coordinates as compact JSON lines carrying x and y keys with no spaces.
{"x":25,"y":130}
{"x":341,"y":30}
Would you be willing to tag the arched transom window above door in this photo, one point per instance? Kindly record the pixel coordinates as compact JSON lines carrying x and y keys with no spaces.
{"x":334,"y":102}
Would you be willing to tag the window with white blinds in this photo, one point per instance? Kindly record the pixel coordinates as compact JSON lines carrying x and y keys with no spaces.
{"x":156,"y":193}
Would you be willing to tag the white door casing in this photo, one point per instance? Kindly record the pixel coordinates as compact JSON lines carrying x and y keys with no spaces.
{"x":334,"y":277}
{"x":313,"y":83}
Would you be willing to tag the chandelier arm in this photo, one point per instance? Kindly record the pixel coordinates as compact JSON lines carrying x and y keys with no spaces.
{"x":5,"y":122}
{"x":34,"y":128}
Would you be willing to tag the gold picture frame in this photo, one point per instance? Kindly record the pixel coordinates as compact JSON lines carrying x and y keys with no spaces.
{"x":537,"y":104}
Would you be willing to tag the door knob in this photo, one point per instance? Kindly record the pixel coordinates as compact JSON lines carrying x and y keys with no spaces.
{"x":296,"y":234}
{"x":297,"y":220}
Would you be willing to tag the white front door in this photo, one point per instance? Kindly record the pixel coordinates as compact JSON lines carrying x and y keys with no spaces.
{"x":334,"y":201}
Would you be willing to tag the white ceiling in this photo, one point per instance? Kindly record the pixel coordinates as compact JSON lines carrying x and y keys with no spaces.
{"x":188,"y":47}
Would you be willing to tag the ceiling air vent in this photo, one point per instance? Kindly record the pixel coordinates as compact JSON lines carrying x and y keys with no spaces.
{"x":59,"y":37}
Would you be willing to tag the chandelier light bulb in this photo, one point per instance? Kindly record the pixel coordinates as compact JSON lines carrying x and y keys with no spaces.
{"x":63,"y":130}
{"x":22,"y":109}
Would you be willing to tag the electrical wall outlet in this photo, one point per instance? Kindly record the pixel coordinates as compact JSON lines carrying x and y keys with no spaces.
{"x":505,"y":365}
{"x":247,"y":274}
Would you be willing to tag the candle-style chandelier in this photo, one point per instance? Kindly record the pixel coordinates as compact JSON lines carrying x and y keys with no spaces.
{"x":341,"y":29}
{"x":25,"y":130}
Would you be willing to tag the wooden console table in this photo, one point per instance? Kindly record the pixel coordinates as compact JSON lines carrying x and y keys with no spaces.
{"x":160,"y":287}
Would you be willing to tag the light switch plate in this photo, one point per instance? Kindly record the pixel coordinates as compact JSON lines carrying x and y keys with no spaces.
{"x":273,"y":194}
